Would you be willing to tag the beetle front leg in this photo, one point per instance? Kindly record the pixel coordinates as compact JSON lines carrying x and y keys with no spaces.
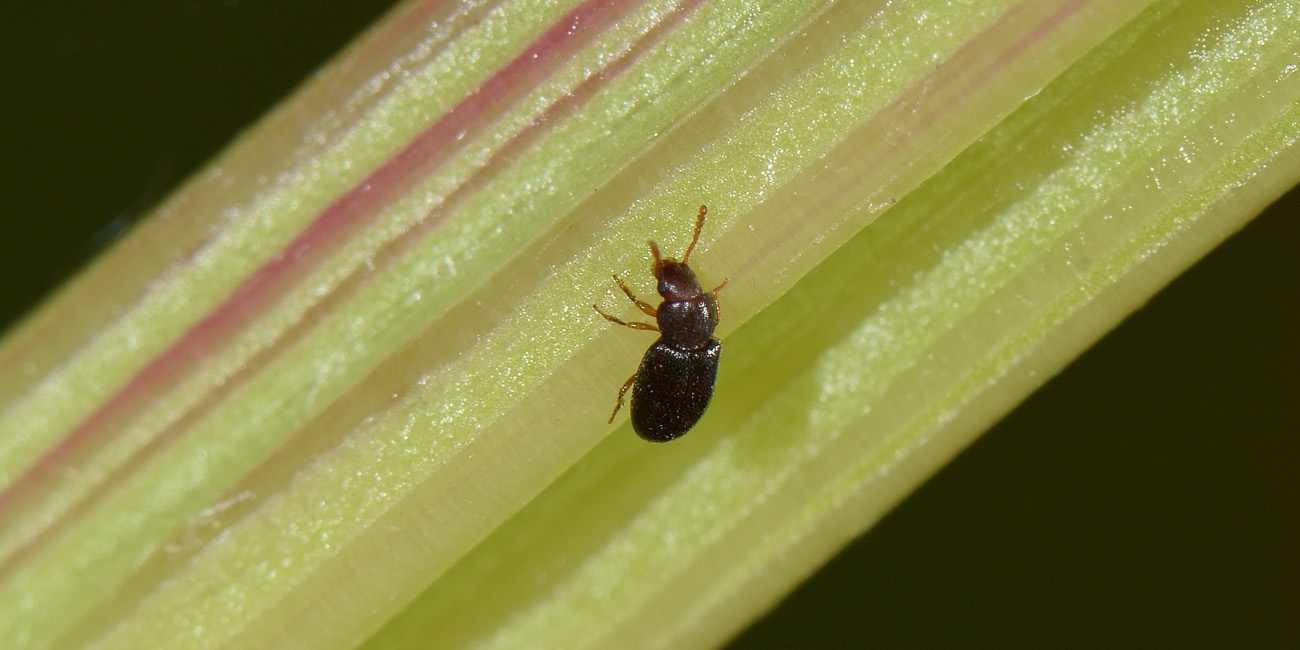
{"x":645,"y":307}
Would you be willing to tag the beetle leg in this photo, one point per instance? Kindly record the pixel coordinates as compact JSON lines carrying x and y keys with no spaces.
{"x":645,"y":307}
{"x":634,"y":325}
{"x":718,"y":288}
{"x":621,"y":392}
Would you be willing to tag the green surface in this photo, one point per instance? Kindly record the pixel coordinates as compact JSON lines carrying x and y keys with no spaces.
{"x":881,"y":362}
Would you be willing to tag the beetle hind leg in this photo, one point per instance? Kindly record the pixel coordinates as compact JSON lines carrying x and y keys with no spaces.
{"x":621,"y":392}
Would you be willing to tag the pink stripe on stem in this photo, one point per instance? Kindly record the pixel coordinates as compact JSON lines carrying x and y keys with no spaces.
{"x":557,"y":111}
{"x":272,"y":469}
{"x":356,"y":208}
{"x":1038,"y":33}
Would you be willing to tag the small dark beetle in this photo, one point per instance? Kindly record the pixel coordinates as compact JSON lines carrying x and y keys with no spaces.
{"x":673,"y":386}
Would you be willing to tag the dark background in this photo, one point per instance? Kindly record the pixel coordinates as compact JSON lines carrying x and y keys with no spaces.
{"x":1148,"y":496}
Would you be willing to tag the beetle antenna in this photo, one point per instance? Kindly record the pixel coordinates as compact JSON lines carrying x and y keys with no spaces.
{"x":699,"y":225}
{"x":659,"y":263}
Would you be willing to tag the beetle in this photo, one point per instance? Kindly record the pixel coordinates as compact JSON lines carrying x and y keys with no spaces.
{"x":674,"y":382}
